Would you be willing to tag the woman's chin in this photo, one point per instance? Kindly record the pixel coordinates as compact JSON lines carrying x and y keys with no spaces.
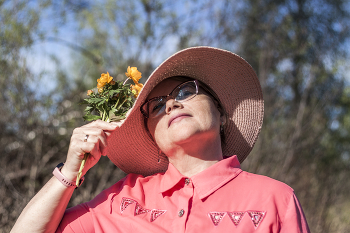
{"x":188,"y":136}
{"x":178,"y":137}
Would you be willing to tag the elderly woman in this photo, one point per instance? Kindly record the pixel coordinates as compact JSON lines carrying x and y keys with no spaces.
{"x":196,"y":119}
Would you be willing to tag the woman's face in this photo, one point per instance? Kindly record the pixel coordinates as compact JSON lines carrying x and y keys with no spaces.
{"x":194,"y":121}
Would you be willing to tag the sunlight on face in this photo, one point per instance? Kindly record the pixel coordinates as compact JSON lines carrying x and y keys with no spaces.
{"x":193,"y":121}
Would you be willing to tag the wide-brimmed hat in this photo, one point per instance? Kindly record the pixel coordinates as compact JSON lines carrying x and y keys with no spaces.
{"x":131,"y":147}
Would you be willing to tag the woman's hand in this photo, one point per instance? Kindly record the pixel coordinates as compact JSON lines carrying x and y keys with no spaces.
{"x":39,"y":217}
{"x":96,"y":143}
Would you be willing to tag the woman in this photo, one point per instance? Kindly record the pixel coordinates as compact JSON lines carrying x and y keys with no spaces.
{"x":196,"y":119}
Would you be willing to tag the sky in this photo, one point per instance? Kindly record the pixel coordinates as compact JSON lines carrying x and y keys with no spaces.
{"x":40,"y":61}
{"x":39,"y":56}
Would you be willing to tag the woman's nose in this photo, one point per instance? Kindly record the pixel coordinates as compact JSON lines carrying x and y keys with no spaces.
{"x":171,"y":104}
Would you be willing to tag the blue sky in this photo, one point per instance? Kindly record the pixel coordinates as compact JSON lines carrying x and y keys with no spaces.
{"x":39,"y":56}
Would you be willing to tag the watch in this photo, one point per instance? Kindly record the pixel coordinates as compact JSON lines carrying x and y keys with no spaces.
{"x":64,"y":180}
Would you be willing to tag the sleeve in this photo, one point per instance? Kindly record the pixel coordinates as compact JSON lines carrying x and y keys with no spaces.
{"x":82,"y":218}
{"x":76,"y":219}
{"x":294,"y":218}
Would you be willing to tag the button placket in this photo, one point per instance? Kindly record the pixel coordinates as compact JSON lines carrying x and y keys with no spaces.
{"x":181,"y":214}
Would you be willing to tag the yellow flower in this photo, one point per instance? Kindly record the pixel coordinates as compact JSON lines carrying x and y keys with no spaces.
{"x":133,"y":74}
{"x":103,"y":80}
{"x":136,"y":89}
{"x":89,"y":92}
{"x":100,"y":85}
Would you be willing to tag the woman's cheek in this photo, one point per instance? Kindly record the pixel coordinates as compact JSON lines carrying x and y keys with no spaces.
{"x":156,"y":130}
{"x":161,"y":130}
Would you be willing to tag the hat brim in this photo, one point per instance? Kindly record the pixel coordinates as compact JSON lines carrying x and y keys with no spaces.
{"x":131,"y":148}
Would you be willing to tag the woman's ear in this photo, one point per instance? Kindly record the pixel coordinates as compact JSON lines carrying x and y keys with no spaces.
{"x":222,"y":118}
{"x":221,"y":111}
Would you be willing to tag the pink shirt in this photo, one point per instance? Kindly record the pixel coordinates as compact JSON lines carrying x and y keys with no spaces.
{"x":222,"y":198}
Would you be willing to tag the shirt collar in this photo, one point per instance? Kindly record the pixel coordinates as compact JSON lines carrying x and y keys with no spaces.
{"x":207,"y":181}
{"x":171,"y":178}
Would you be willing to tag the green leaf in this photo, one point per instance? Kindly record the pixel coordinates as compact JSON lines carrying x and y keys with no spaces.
{"x":102,"y":102}
{"x":93,"y":100}
{"x":89,"y":109}
{"x":91,"y":117}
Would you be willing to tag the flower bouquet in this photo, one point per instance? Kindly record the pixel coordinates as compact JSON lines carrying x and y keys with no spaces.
{"x":111,"y":101}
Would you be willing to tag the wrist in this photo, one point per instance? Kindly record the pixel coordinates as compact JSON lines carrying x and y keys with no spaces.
{"x":68,"y":173}
{"x":66,"y":181}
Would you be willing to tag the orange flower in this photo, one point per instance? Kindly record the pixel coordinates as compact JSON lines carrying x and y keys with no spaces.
{"x":103,"y":80}
{"x":89,"y":92}
{"x":100,"y":85}
{"x":136,"y":89}
{"x":133,"y":74}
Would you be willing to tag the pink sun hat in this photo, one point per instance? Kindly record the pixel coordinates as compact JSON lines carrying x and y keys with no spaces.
{"x":131,"y":147}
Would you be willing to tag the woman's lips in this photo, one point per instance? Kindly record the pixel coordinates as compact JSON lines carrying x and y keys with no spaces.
{"x":177,"y":117}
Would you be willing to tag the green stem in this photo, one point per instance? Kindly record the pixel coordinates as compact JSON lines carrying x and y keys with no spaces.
{"x":116,"y":104}
{"x":121,"y":104}
{"x":86,"y":156}
{"x":104,"y":115}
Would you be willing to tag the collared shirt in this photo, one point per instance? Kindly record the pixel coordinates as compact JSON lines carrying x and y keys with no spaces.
{"x":222,"y":198}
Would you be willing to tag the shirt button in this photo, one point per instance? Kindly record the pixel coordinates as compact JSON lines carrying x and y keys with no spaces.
{"x":187,"y":181}
{"x":181,"y":213}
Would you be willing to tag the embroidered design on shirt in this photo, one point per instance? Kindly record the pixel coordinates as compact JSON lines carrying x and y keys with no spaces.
{"x":125,"y":203}
{"x":236,"y":217}
{"x":257,"y":217}
{"x":140,"y":210}
{"x":216,"y":217}
{"x":156,"y":213}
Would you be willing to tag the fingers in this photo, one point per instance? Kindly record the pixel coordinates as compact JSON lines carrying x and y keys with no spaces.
{"x":90,"y":138}
{"x":103,"y":125}
{"x":97,"y":130}
{"x":93,"y":135}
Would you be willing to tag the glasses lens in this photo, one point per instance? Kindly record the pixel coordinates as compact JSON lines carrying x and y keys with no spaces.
{"x":156,"y":106}
{"x":185,"y":91}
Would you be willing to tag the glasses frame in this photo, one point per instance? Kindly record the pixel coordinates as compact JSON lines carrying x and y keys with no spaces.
{"x":146,"y":114}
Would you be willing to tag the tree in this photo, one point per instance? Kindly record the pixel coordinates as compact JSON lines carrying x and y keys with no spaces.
{"x":31,"y":138}
{"x":296,"y":47}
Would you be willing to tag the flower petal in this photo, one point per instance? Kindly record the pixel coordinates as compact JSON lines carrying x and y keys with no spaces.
{"x":136,"y":89}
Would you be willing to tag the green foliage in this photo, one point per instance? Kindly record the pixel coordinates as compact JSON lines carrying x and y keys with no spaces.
{"x":111,"y":104}
{"x":296,"y":48}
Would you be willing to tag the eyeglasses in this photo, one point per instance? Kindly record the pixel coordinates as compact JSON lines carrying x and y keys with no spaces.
{"x":183,"y":92}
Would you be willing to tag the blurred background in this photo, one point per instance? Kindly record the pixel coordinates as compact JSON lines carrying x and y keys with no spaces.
{"x":52,"y":51}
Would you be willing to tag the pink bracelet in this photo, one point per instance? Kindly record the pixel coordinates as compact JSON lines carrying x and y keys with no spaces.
{"x":66,"y":182}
